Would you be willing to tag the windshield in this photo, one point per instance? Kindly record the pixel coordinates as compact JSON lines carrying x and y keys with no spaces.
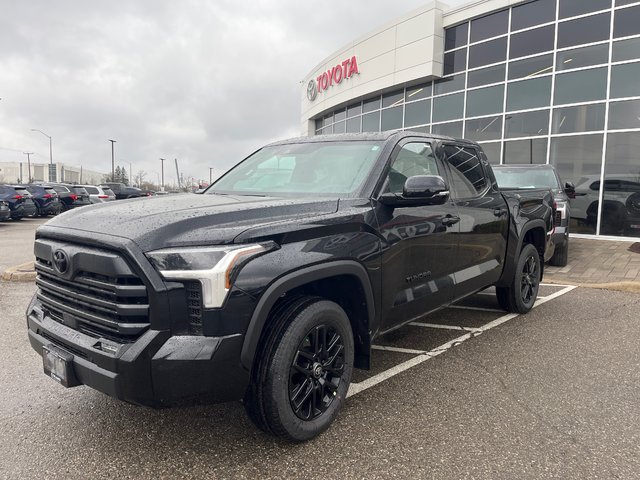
{"x":517,"y":178}
{"x":302,"y":169}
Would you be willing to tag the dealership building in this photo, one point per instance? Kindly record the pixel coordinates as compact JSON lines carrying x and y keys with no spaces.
{"x":542,"y":81}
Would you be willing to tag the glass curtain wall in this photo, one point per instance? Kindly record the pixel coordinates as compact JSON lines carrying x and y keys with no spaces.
{"x":545,"y":81}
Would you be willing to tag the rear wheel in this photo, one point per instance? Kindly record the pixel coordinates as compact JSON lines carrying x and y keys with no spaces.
{"x":303,"y":370}
{"x":520,"y":296}
{"x":561,"y":255}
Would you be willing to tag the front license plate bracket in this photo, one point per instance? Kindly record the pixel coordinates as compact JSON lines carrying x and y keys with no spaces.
{"x":58,"y":364}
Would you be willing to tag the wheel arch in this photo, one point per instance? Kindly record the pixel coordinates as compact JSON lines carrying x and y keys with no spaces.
{"x":344,"y":282}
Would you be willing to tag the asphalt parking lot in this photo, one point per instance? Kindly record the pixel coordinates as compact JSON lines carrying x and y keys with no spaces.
{"x":16,"y":241}
{"x":468,"y":392}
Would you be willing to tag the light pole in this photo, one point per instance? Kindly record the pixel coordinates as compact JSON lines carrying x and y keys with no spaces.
{"x":28,"y":154}
{"x":51,"y":176}
{"x":113,"y":163}
{"x":162,"y":183}
{"x":210,"y":175}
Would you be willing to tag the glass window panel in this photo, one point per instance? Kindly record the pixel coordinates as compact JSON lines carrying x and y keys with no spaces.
{"x":624,"y":80}
{"x":532,"y":41}
{"x":584,"y":30}
{"x":371,"y":122}
{"x":485,"y":101}
{"x":623,"y":115}
{"x":339,"y":115}
{"x":534,"y":13}
{"x":449,"y":84}
{"x":353,"y":125}
{"x":626,"y":50}
{"x":489,"y":26}
{"x":531,"y":151}
{"x":339,"y":127}
{"x":578,"y":159}
{"x":479,"y":129}
{"x":455,"y":37}
{"x":455,"y":61}
{"x":451,"y":129}
{"x":319,"y":132}
{"x":527,"y":94}
{"x":527,"y":124}
{"x":531,"y":67}
{"x":391,"y":118}
{"x":355,"y":109}
{"x":583,"y":118}
{"x":582,"y":86}
{"x":424,"y":129}
{"x":318,"y":123}
{"x":621,"y":205}
{"x":417,"y":113}
{"x":327,"y":130}
{"x":487,"y":53}
{"x":572,"y":8}
{"x":468,"y":178}
{"x":485,"y":76}
{"x":371,"y":104}
{"x":448,"y":108}
{"x":328,"y":119}
{"x":416,"y":93}
{"x":492,"y":152}
{"x":393,"y":99}
{"x":582,"y":57}
{"x":627,"y":22}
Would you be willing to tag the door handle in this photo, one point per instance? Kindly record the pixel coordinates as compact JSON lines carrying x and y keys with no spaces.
{"x":450,"y":220}
{"x":498,"y":212}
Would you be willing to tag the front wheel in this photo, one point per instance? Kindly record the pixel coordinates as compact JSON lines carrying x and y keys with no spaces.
{"x":304,"y":370}
{"x":520,"y":296}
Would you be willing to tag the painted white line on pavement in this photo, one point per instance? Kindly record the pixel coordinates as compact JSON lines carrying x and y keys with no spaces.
{"x":444,"y":327}
{"x":356,"y":388}
{"x":398,"y":349}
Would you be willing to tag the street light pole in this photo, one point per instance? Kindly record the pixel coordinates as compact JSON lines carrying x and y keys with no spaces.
{"x":162,"y":183}
{"x":28,"y":154}
{"x":51,"y":179}
{"x":113,"y":163}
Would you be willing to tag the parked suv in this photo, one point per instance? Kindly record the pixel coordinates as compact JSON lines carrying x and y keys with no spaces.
{"x":5,"y":211}
{"x":15,"y":201}
{"x":99,"y":194}
{"x":69,"y":198}
{"x":45,"y":198}
{"x":273,"y":285}
{"x":527,"y":177}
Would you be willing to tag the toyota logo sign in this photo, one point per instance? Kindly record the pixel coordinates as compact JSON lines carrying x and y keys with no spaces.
{"x":312,"y":91}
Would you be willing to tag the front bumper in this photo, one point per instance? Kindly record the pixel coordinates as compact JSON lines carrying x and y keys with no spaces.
{"x":156,"y":370}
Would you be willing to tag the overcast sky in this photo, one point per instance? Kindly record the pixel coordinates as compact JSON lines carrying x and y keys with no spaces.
{"x":204,"y":81}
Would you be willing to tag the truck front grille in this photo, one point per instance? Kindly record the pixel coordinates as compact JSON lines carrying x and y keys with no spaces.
{"x":194,"y":304}
{"x":101,"y":297}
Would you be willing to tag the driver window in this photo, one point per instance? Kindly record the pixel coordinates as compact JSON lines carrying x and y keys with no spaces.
{"x":413,"y":159}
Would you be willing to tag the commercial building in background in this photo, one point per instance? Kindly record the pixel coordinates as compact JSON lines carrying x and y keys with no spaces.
{"x":18,"y":172}
{"x":543,"y":81}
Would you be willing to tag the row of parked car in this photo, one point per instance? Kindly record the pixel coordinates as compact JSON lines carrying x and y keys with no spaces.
{"x":43,"y":199}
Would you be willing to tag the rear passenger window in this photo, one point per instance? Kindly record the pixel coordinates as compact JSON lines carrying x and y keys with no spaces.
{"x":91,"y":190}
{"x":467,"y":175}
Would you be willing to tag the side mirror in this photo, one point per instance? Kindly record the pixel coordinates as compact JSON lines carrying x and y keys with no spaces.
{"x":419,"y":190}
{"x":570,"y":189}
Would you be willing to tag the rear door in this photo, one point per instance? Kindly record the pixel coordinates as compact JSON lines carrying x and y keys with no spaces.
{"x":420,"y":243}
{"x":483,"y":227}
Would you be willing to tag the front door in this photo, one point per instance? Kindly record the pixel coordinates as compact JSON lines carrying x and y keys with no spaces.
{"x":420,"y":244}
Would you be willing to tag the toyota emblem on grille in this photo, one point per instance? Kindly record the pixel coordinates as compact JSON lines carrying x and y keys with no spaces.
{"x":60,"y":261}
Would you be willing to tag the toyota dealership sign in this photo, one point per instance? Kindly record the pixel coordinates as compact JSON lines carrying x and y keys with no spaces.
{"x":334,"y":76}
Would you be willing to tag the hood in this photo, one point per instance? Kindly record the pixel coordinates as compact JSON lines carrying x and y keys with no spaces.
{"x":181,"y":220}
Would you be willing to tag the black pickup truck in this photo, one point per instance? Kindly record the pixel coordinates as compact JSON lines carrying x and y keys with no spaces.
{"x":123,"y":191}
{"x":273,"y":285}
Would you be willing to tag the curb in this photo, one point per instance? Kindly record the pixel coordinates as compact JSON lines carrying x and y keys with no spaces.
{"x":632,"y":287}
{"x":20,"y":273}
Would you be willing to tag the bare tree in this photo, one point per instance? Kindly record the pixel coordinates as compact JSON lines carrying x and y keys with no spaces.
{"x":139,"y":177}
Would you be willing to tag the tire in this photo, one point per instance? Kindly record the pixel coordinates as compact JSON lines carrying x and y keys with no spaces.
{"x":520,"y":296}
{"x":303,"y":369}
{"x":561,"y":255}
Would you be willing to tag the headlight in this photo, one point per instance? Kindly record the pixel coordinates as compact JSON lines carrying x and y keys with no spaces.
{"x":211,"y":266}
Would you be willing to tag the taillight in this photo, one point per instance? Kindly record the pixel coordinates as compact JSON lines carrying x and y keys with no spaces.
{"x":73,"y":197}
{"x":103,"y":196}
{"x":18,"y":197}
{"x":47,"y":195}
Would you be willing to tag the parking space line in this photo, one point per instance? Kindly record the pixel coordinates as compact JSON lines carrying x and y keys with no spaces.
{"x":398,"y":349}
{"x":479,"y":309}
{"x":444,"y":327}
{"x":356,"y":388}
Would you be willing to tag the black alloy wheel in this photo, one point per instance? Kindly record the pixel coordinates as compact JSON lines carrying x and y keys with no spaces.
{"x":521,"y":294}
{"x":530,"y":279}
{"x":316,"y":372}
